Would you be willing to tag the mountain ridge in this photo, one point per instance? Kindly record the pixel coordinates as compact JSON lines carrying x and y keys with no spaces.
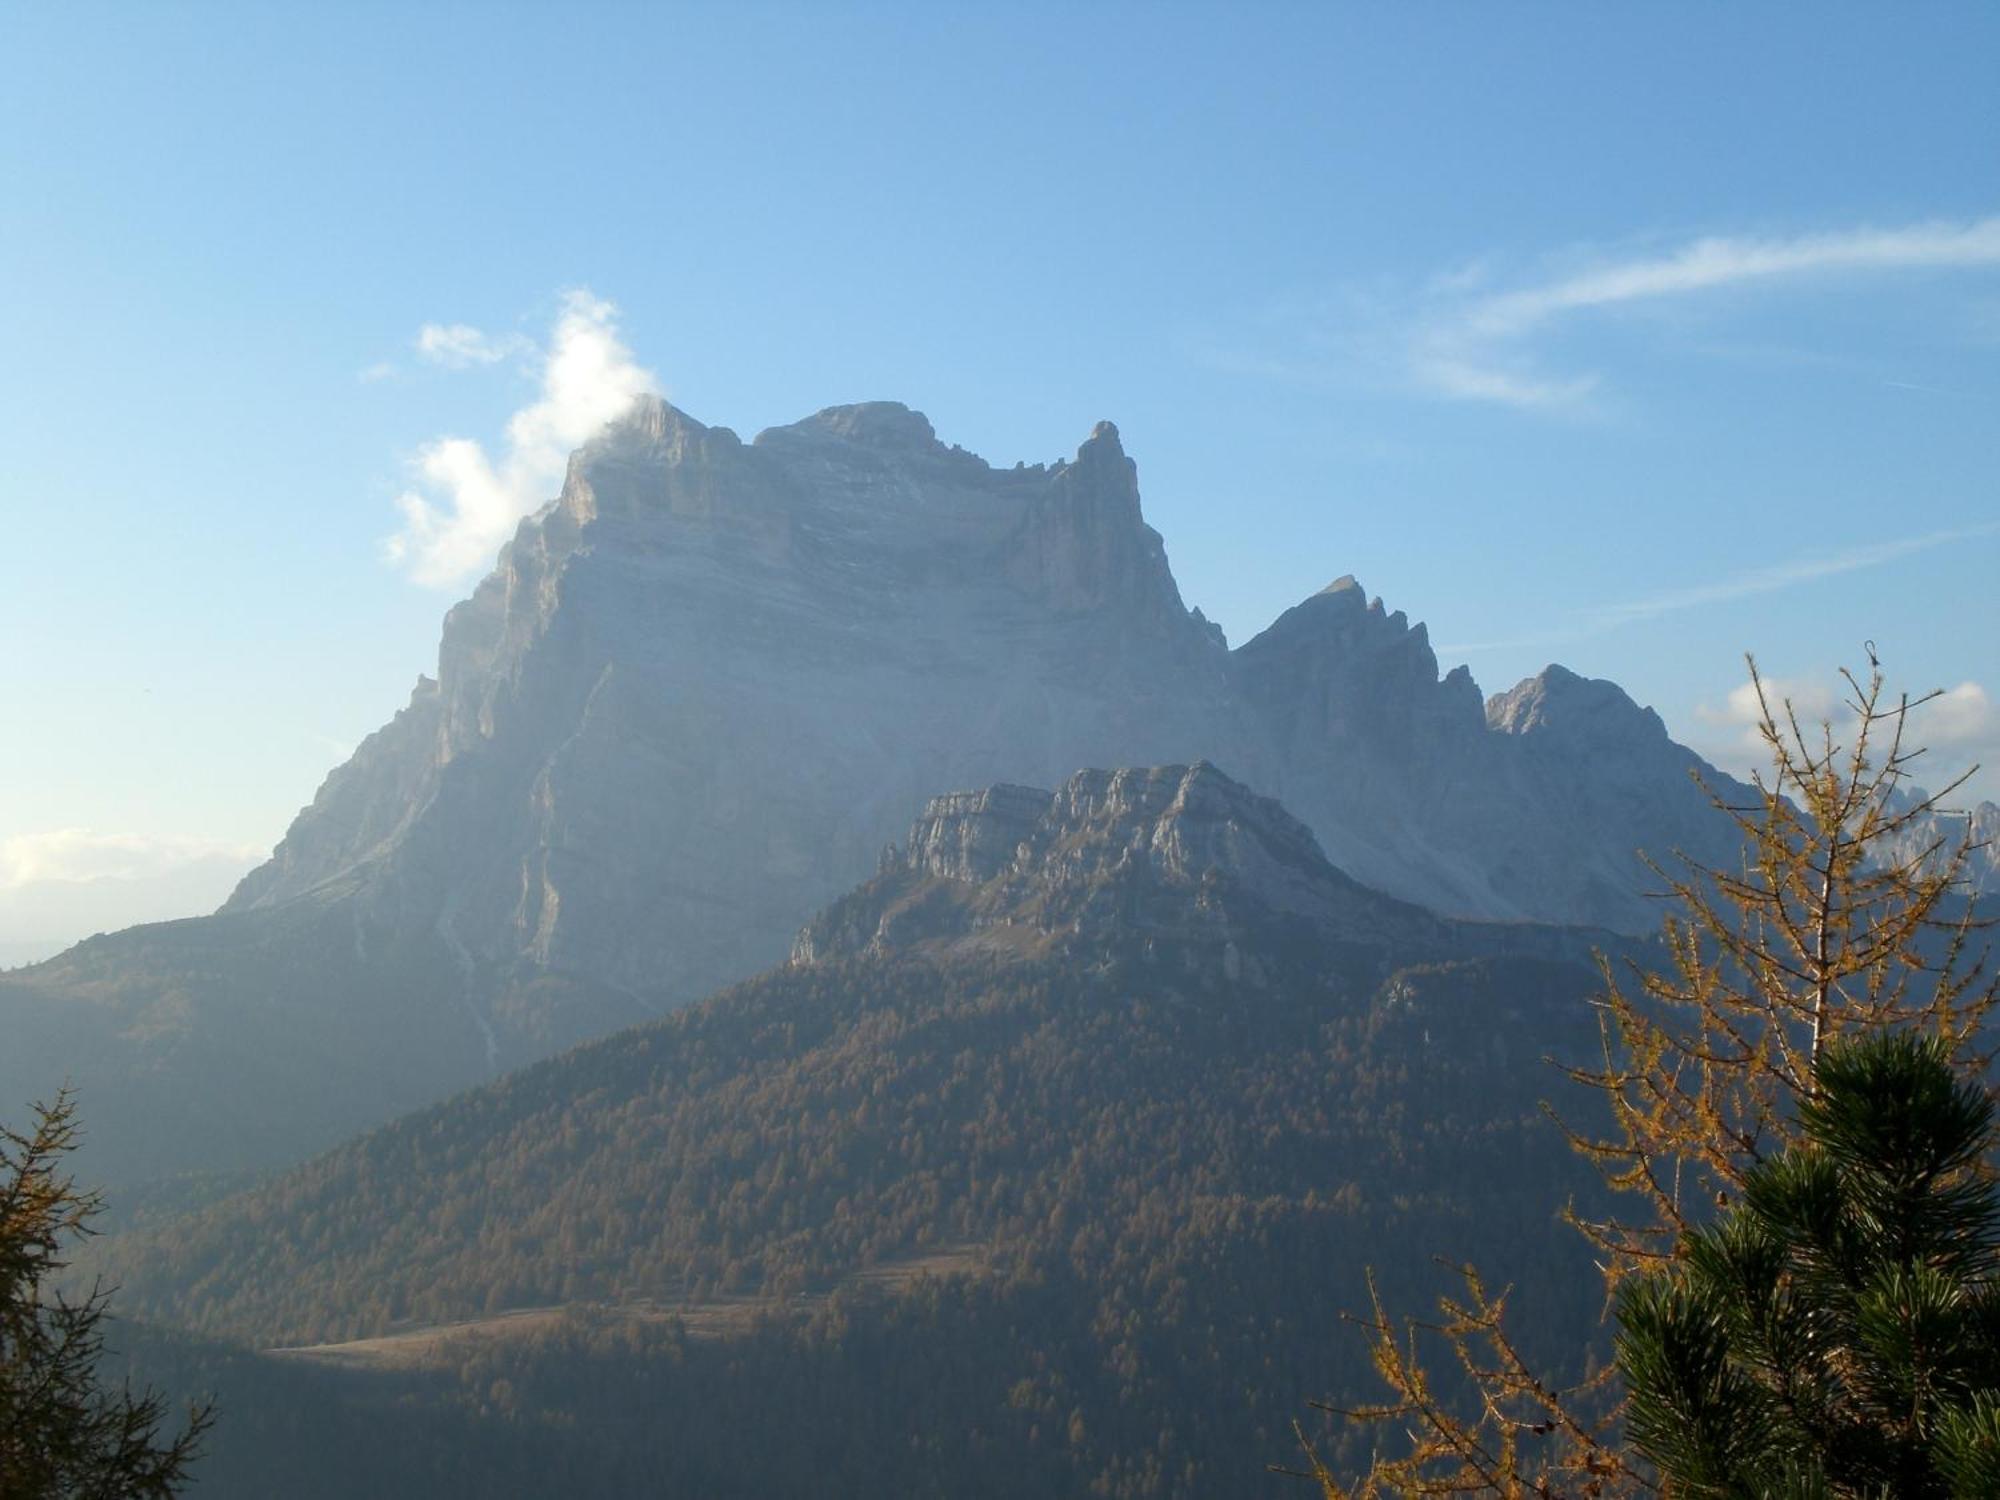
{"x":699,"y":691}
{"x":1175,"y":851}
{"x":1166,"y":902}
{"x":1144,"y":1160}
{"x":1074,"y":540}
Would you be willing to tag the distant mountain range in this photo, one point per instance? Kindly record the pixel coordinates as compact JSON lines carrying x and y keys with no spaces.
{"x":701,"y":690}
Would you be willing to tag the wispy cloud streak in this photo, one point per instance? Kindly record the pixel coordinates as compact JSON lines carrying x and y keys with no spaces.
{"x":1473,"y":347}
{"x":1769,"y":580}
{"x":1744,"y":585}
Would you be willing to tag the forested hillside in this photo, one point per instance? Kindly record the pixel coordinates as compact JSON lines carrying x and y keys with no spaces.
{"x":1168,"y":1196}
{"x":1052,"y":1162}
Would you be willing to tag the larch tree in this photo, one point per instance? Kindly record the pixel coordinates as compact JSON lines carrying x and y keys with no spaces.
{"x":1846,"y":919}
{"x":66,"y":1434}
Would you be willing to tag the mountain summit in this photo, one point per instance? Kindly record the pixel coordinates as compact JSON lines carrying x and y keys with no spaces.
{"x":1180,"y":855}
{"x":707,"y":683}
{"x":702,"y":687}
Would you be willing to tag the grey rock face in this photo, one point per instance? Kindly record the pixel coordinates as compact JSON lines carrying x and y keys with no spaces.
{"x":1981,"y":829}
{"x":1534,"y":806}
{"x":973,"y":836}
{"x":1167,"y":851}
{"x":706,"y":683}
{"x":1179,"y":869}
{"x":1935,"y":836}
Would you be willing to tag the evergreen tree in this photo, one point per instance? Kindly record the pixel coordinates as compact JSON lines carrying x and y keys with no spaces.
{"x":1837,"y":1333}
{"x":64,"y":1435}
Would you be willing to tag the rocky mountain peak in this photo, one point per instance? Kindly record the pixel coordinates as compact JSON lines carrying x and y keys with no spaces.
{"x":1163,"y":850}
{"x":1184,"y":823}
{"x":1104,"y":449}
{"x":773,"y":652}
{"x":1316,"y":666}
{"x":1343,"y":611}
{"x":653,"y":417}
{"x":874,"y":424}
{"x":1584,"y":709}
{"x":1184,"y":820}
{"x":1083,"y":544}
{"x":1102,"y":465}
{"x":1933,"y":837}
{"x":1345,"y":587}
{"x":652,"y":429}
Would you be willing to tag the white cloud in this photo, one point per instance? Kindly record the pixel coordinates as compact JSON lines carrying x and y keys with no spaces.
{"x":1963,"y":718}
{"x":63,"y":884}
{"x":1957,"y":718}
{"x":1453,"y":375}
{"x":1957,"y":729}
{"x":1474,"y":346}
{"x":74,"y":856}
{"x":1718,"y":261}
{"x":467,"y":503}
{"x":1811,"y":699}
{"x":458,"y":345}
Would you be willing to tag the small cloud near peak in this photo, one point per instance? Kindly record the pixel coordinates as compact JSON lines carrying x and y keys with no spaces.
{"x":466,"y":502}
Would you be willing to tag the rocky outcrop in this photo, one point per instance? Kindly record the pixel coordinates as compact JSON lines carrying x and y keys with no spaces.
{"x":1933,"y":836}
{"x":1139,"y":861}
{"x":972,"y":836}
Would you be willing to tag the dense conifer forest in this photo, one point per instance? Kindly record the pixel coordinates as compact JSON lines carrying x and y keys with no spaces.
{"x":970,"y":1228}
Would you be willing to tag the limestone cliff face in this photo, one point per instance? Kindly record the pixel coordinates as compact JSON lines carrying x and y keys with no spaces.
{"x":1534,"y":806}
{"x":1607,"y":784}
{"x":709,"y":681}
{"x":1179,"y":869}
{"x":705,"y":684}
{"x":1161,"y":854}
{"x":1365,"y":739}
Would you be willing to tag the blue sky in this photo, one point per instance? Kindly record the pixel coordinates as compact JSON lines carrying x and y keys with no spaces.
{"x":1631,"y":338}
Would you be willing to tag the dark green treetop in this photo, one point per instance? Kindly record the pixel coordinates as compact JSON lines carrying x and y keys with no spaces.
{"x":1837,"y":1331}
